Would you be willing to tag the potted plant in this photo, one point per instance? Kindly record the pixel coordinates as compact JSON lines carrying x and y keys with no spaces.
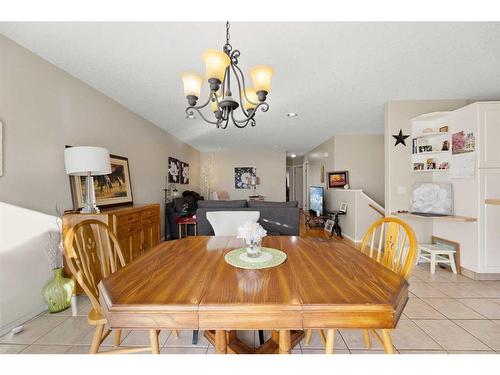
{"x":57,"y":292}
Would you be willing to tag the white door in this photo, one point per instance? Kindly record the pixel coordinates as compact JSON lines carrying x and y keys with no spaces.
{"x":297,"y":184}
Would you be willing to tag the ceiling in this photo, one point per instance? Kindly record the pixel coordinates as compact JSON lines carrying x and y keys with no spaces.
{"x":336,"y":76}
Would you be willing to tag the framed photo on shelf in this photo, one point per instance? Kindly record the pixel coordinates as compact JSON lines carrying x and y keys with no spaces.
{"x":338,"y":179}
{"x":443,"y":129}
{"x":343,"y":207}
{"x":328,"y":226}
{"x":113,"y":189}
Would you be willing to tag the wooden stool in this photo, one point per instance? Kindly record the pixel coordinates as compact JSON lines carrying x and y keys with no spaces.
{"x":435,"y":254}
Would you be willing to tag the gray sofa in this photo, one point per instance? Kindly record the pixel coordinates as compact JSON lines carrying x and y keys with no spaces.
{"x":277,"y":218}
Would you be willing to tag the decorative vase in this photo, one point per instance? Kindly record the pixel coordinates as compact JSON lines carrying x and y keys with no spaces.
{"x":58,"y":292}
{"x":253,"y":248}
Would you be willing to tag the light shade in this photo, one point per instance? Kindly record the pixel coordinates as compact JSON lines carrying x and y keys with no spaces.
{"x":216,"y":63}
{"x":83,"y":159}
{"x":251,"y":94}
{"x":192,"y":84}
{"x":261,"y":77}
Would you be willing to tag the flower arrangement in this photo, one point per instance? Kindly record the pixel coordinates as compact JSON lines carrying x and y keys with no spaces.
{"x":251,"y":232}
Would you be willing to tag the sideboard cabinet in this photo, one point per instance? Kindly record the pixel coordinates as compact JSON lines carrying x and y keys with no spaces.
{"x":137,"y":227}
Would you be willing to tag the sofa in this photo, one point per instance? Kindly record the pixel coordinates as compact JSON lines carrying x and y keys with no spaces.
{"x":277,"y":218}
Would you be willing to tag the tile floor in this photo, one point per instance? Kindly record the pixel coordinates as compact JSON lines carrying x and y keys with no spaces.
{"x":446,"y":313}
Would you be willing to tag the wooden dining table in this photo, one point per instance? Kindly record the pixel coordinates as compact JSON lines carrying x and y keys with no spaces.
{"x":187,"y":284}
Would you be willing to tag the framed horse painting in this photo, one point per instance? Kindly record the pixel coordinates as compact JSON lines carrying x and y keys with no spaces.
{"x":110,"y":190}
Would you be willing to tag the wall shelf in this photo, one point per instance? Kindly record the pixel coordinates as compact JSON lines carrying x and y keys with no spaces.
{"x":446,"y":218}
{"x":433,"y":134}
{"x":431,"y":170}
{"x":432,"y":152}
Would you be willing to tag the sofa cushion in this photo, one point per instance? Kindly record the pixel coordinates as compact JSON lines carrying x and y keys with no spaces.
{"x":259,"y":204}
{"x":222,"y":204}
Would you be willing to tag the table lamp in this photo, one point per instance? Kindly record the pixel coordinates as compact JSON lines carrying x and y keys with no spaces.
{"x":87,"y":161}
{"x":253,"y":181}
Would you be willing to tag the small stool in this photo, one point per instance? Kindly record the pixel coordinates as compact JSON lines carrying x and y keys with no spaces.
{"x":188,"y":220}
{"x":435,"y":254}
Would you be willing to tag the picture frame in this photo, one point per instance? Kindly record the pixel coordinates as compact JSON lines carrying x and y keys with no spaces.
{"x":343,"y":207}
{"x":242,"y":176}
{"x":174,"y":170}
{"x":452,"y":244}
{"x":328,"y":226}
{"x":111,"y":190}
{"x":184,"y":173}
{"x":338,"y":179}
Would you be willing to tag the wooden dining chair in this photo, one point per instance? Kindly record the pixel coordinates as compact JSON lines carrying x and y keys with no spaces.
{"x":391,"y":242}
{"x":92,"y":253}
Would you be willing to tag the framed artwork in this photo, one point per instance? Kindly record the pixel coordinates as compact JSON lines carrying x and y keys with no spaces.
{"x":110,"y":190}
{"x":174,"y":169}
{"x":343,"y":207}
{"x":463,"y":142}
{"x":338,"y":179}
{"x":184,"y":173}
{"x":328,"y":226}
{"x":242,"y":177}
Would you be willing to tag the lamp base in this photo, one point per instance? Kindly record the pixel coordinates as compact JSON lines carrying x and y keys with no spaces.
{"x":91,"y":210}
{"x":90,"y":206}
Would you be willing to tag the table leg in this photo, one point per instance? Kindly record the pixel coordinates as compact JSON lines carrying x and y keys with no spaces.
{"x":180,"y":231}
{"x":195,"y":230}
{"x":220,"y":342}
{"x":285,"y":344}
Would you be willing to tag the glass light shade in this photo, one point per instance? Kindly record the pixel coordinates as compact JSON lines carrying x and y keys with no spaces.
{"x":251,"y":94}
{"x":216,"y":63}
{"x":214,"y":106}
{"x":192,"y":84}
{"x":261,"y":77}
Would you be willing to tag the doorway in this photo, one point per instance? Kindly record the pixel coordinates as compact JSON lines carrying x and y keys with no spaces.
{"x":298,"y":184}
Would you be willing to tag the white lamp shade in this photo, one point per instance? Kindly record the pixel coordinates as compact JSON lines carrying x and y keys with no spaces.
{"x":83,"y":159}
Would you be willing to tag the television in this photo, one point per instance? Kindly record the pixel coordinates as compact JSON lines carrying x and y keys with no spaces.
{"x":432,"y":199}
{"x":316,"y":199}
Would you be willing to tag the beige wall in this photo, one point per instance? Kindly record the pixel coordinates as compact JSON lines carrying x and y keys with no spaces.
{"x":361,"y":154}
{"x":43,"y":109}
{"x":271,"y":169}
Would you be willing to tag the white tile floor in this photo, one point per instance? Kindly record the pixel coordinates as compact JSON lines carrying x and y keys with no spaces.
{"x":446,"y":313}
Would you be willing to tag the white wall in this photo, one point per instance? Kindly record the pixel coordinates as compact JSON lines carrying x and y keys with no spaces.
{"x":271,"y":170}
{"x":43,"y":109}
{"x":360,"y":154}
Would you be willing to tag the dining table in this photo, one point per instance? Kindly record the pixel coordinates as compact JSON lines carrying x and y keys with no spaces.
{"x":187,"y":284}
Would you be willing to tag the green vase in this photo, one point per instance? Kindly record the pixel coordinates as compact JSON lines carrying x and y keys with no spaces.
{"x":58,"y":292}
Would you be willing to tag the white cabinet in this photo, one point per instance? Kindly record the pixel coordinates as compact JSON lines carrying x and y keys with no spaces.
{"x":489,"y":131}
{"x":490,"y":220}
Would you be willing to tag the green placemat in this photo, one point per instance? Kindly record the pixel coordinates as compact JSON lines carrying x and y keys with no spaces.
{"x":269,"y":258}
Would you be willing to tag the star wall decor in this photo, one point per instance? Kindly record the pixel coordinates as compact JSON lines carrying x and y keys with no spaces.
{"x":400,"y":138}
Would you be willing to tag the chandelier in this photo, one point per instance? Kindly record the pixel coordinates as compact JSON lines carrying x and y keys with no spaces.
{"x":219,"y":66}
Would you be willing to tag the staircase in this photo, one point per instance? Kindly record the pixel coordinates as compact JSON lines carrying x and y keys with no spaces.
{"x":362,"y":211}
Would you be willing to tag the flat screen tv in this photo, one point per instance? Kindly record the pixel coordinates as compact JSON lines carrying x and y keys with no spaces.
{"x":316,"y":199}
{"x":432,"y":199}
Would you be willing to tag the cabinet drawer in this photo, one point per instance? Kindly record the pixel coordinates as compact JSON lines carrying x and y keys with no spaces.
{"x":125,"y":220}
{"x":150,"y":213}
{"x":127,"y":229}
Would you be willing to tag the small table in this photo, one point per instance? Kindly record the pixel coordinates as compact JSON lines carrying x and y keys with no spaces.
{"x":186,"y":220}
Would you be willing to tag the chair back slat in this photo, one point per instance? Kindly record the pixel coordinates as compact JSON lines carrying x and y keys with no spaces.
{"x":91,"y":251}
{"x":397,"y":245}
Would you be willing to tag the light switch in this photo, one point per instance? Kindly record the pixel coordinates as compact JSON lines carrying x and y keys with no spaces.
{"x":401,"y":189}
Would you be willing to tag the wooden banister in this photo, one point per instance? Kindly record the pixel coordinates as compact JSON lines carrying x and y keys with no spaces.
{"x":382,"y":213}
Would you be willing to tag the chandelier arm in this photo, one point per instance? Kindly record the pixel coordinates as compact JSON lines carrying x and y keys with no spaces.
{"x":244,"y":86}
{"x":237,"y":122}
{"x":189,"y":112}
{"x":201,"y":105}
{"x":264,"y":107}
{"x":226,"y":73}
{"x":233,"y":66}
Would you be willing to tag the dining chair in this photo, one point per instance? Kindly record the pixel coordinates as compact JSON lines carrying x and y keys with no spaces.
{"x":92,"y":252}
{"x":392,"y":243}
{"x":226,"y":223}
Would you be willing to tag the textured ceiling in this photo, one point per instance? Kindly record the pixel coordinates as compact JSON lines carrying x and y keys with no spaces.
{"x":336,"y":76}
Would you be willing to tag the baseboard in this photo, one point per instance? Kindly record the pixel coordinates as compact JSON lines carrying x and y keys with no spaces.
{"x":39,"y":310}
{"x":351,"y":240}
{"x":479,"y":276}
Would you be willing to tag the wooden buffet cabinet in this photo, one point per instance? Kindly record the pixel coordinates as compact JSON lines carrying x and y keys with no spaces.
{"x":137,"y":228}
